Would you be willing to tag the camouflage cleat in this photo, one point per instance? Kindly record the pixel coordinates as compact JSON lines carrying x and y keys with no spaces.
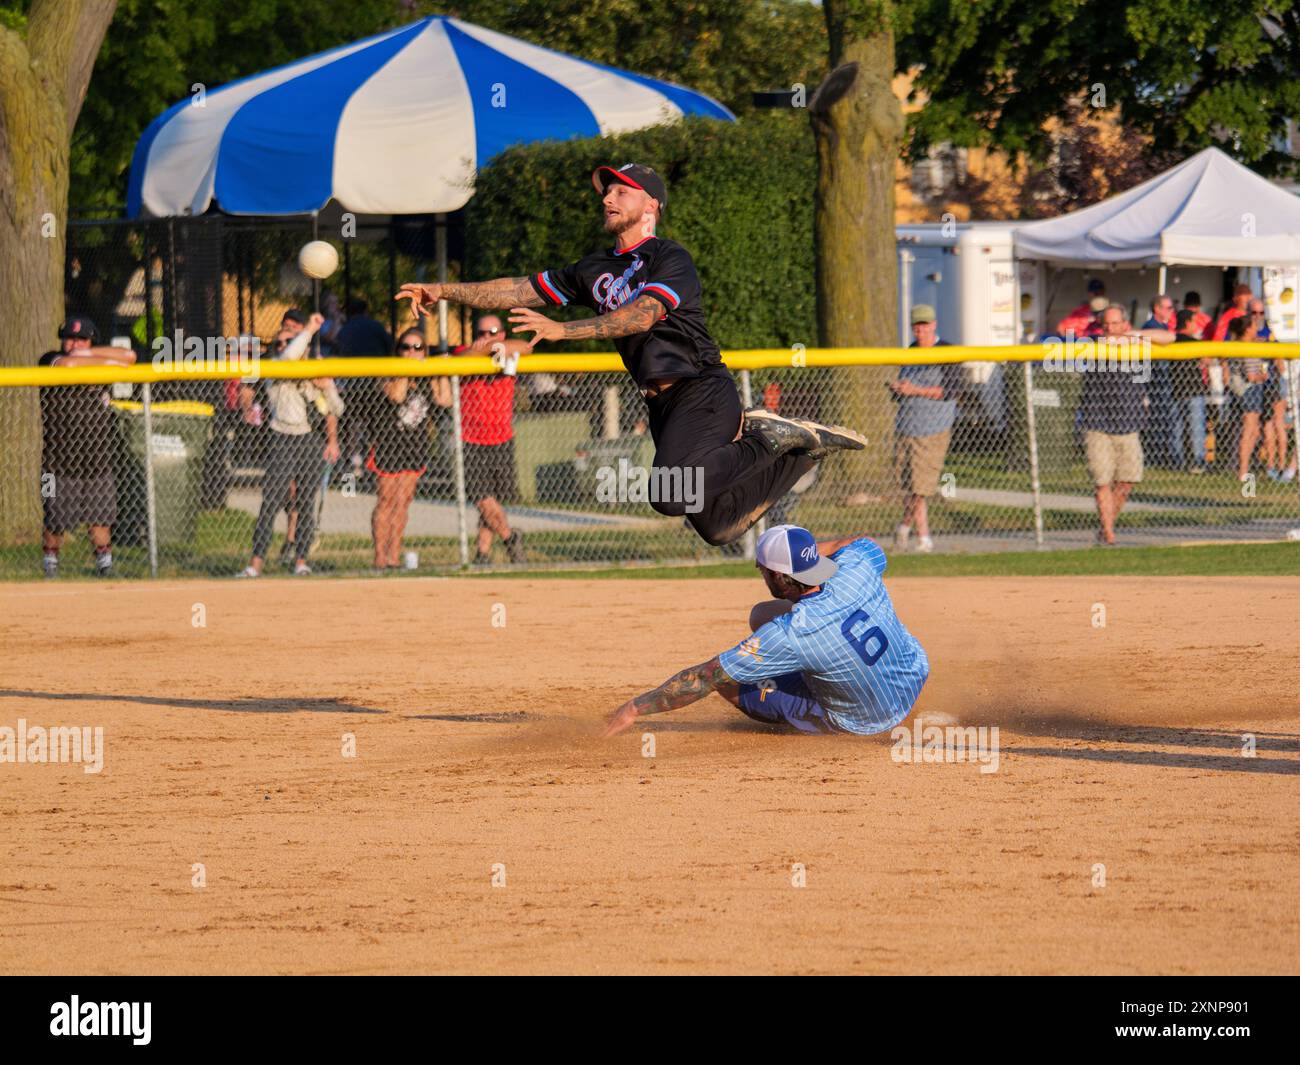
{"x":833,"y":438}
{"x":781,"y":435}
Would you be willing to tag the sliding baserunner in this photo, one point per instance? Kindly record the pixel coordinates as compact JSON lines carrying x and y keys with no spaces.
{"x":647,"y":299}
{"x":827,"y":654}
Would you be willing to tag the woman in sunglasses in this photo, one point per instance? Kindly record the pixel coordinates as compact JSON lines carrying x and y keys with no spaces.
{"x":399,"y":450}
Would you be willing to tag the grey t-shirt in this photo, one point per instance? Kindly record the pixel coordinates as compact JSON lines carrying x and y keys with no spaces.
{"x":918,"y":416}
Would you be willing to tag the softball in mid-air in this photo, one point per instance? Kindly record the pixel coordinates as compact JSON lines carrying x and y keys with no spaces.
{"x":318,"y":259}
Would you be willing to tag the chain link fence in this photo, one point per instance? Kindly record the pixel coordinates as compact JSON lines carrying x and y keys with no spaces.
{"x":193,"y":477}
{"x":198,"y":478}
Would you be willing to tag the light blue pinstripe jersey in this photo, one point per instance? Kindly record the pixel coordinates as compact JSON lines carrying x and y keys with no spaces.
{"x":856,"y":657}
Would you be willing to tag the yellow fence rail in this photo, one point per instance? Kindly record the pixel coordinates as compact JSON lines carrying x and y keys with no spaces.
{"x":219,"y":369}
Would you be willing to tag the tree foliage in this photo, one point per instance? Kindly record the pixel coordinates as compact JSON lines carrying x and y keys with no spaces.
{"x":156,"y":50}
{"x":726,"y":48}
{"x":738,"y":199}
{"x":1188,"y":73}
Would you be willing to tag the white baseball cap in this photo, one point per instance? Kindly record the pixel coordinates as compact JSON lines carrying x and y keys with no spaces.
{"x":792,"y":549}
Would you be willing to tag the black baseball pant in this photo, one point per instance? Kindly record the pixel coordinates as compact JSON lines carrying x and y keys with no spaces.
{"x":693,"y":425}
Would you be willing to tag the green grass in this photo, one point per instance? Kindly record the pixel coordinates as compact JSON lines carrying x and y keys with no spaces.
{"x":1216,"y":560}
{"x":221,"y":544}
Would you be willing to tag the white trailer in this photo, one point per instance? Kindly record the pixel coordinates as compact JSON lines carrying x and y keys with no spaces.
{"x":969,"y":273}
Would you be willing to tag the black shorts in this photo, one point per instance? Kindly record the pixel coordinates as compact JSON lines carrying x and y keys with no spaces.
{"x":73,"y":501}
{"x":490,"y":472}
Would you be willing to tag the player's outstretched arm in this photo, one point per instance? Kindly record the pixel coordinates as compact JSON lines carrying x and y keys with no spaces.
{"x":635,"y":317}
{"x":825,"y":548}
{"x":99,"y":355}
{"x":486,"y":295}
{"x":686,"y":687}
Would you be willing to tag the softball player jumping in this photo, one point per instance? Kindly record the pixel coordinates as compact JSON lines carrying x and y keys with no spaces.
{"x":647,"y":299}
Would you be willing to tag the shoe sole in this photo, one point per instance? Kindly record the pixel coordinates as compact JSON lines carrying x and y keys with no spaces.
{"x":835,"y":437}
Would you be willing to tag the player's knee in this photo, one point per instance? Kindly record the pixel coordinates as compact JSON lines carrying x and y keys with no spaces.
{"x":766,"y":611}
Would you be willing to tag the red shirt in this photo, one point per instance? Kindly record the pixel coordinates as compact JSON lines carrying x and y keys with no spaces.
{"x":1221,"y":326}
{"x":487,"y":406}
{"x":1199,"y":322}
{"x":1081,"y":321}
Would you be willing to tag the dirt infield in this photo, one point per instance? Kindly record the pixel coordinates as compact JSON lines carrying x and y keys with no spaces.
{"x":1120,"y":746}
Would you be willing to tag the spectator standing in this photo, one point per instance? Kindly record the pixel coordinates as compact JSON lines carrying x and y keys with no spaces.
{"x":399,"y":420}
{"x":1113,"y":412}
{"x":1258,"y":315}
{"x":927,"y":407}
{"x":1249,"y":380}
{"x":332,"y":326}
{"x":1081,"y":321}
{"x":77,"y":430}
{"x":487,"y":406}
{"x":1273,"y":414}
{"x":303,"y":432}
{"x":1167,"y":417}
{"x":359,"y":337}
{"x":1190,"y":379}
{"x":1239,"y":307}
{"x":293,"y":322}
{"x":1200,"y":320}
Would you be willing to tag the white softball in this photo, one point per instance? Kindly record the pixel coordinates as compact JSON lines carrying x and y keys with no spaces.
{"x":318,"y":259}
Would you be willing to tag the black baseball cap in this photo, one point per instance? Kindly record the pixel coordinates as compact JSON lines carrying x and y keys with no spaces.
{"x":1096,"y":285}
{"x":78,"y":326}
{"x":634,"y":174}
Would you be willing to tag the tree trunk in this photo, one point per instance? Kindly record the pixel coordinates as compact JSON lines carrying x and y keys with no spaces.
{"x":858,"y":125}
{"x":43,"y":77}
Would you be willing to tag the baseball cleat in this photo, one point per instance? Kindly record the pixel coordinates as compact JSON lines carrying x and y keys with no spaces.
{"x":781,"y":435}
{"x":834,"y":437}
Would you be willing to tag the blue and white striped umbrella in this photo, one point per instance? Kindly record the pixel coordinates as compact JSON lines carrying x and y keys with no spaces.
{"x":394,"y":124}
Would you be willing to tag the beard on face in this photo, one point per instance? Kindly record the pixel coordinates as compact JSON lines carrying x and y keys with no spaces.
{"x":619,"y":224}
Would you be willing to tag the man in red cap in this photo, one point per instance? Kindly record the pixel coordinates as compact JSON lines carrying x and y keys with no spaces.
{"x":648,"y":301}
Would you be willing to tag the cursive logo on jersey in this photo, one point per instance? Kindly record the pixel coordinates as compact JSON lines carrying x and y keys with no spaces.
{"x":610,"y":292}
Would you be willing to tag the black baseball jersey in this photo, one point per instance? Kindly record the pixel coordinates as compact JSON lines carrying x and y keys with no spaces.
{"x":78,"y":428}
{"x":678,"y":344}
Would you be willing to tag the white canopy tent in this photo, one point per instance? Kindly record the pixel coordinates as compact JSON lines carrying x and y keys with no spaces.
{"x":1208,"y":210}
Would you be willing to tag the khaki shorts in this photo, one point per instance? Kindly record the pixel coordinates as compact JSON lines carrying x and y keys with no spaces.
{"x":1113,"y":458}
{"x":918,"y":461}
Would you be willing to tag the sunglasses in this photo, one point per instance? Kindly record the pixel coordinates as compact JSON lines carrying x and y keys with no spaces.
{"x":410,"y":347}
{"x":489,"y":332}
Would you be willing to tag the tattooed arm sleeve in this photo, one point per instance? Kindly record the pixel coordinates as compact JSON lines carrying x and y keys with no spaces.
{"x":635,"y":317}
{"x":490,"y":295}
{"x":688,"y":686}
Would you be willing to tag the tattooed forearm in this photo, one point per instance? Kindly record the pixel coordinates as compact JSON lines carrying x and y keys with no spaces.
{"x":635,"y":317}
{"x":688,"y":686}
{"x":489,"y":295}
